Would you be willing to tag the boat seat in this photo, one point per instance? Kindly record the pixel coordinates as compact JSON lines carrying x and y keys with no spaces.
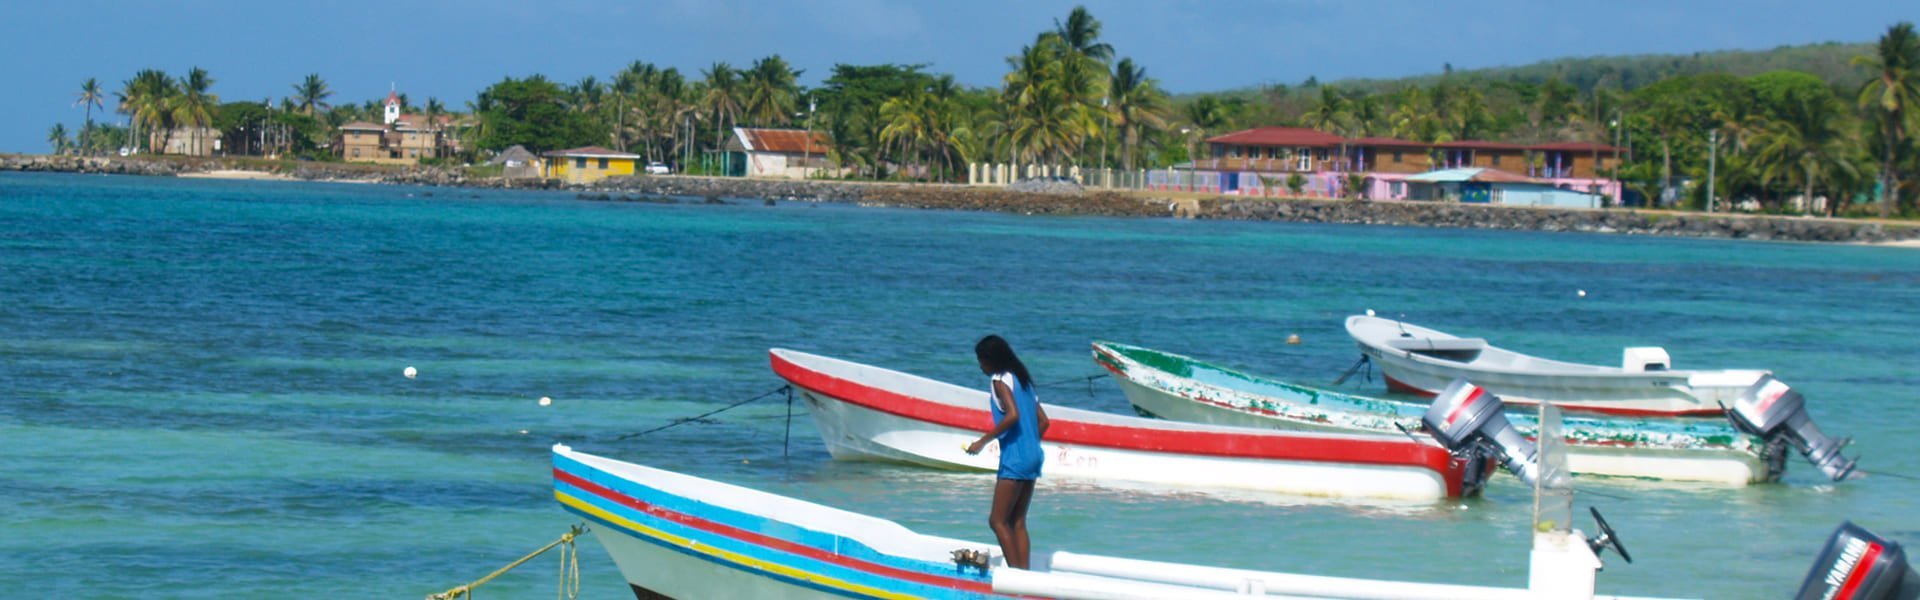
{"x":1413,"y":344}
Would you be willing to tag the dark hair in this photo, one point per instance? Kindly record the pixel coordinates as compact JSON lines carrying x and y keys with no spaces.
{"x":994,"y":352}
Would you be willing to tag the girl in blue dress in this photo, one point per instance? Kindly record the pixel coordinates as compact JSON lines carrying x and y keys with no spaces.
{"x":1018,"y":424}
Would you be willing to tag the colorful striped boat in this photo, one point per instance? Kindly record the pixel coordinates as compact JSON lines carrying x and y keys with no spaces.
{"x":678,"y":536}
{"x":870,"y":413}
{"x":1180,"y":388}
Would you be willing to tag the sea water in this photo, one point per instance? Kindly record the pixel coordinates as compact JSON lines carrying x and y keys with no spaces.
{"x":201,"y":389}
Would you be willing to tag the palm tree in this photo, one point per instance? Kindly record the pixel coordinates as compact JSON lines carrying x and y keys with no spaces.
{"x":311,"y":94}
{"x":722,"y":99}
{"x":146,"y":99}
{"x":89,"y":97}
{"x":1136,"y":106}
{"x":57,"y":136}
{"x":770,"y":92}
{"x":194,"y":105}
{"x":1806,"y":146}
{"x":434,"y":111}
{"x":1081,"y":32}
{"x":1888,"y":96}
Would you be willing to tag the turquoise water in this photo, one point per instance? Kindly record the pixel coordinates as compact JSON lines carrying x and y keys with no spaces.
{"x":201,"y":390}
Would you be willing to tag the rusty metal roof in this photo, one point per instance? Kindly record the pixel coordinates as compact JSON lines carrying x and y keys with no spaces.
{"x":590,"y":152}
{"x":786,"y":141}
{"x":1278,"y":136}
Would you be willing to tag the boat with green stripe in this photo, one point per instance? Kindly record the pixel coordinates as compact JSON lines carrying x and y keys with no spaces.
{"x":1180,"y":388}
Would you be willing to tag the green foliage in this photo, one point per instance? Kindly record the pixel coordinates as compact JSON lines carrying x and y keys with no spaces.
{"x":532,"y":112}
{"x":1295,"y":183}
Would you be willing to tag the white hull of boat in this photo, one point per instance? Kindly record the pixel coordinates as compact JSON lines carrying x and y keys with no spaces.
{"x":679,"y":536}
{"x":1527,"y":380}
{"x":1728,"y":467}
{"x":867,"y":413}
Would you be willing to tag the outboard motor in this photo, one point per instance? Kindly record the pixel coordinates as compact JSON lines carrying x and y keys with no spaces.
{"x":1772,"y":410}
{"x":1472,"y":422}
{"x":1858,"y":565}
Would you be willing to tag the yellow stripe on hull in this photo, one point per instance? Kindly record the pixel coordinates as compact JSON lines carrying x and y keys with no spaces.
{"x":740,"y":560}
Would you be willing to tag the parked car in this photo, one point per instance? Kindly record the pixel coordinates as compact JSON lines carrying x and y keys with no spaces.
{"x":654,"y":168}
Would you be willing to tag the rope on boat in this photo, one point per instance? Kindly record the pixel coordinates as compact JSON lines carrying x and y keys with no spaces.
{"x":1364,"y":361}
{"x":569,"y":568}
{"x":788,"y":439}
{"x":683,"y":421}
{"x":1086,"y":378}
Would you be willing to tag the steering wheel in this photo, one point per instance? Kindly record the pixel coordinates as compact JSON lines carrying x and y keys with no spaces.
{"x":1607,"y":537}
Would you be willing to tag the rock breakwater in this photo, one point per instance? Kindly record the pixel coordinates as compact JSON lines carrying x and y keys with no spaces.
{"x":1091,"y":202}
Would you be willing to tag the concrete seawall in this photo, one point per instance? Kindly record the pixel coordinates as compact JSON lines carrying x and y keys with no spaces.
{"x":1104,"y":203}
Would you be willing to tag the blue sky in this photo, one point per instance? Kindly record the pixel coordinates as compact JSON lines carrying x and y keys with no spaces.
{"x":451,"y":50}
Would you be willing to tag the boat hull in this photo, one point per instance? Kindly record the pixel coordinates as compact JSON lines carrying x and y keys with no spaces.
{"x":1525,"y":381}
{"x":701,"y":539}
{"x":678,"y":536}
{"x":1680,"y":451}
{"x":864,"y":422}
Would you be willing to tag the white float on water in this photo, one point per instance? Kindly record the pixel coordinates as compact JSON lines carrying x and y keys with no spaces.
{"x":545,"y":401}
{"x":410,"y":372}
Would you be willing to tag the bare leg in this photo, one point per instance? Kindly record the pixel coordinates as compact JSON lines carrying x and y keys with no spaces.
{"x":1006,"y":493}
{"x":1021,"y":546}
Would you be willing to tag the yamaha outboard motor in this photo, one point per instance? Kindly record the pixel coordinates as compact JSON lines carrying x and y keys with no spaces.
{"x":1772,"y":410}
{"x":1472,"y":422}
{"x":1858,"y":565}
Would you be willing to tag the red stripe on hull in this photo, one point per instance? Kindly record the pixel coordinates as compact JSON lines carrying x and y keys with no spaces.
{"x":1278,"y":445}
{"x":1396,"y":385}
{"x":768,"y":541}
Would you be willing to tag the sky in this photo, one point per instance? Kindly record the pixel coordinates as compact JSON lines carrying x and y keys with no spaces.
{"x":452,"y":50}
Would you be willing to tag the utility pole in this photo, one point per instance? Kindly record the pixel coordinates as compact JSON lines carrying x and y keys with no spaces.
{"x":1713,"y":152}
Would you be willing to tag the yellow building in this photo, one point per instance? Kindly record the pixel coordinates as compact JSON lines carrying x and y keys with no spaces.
{"x":588,"y":164}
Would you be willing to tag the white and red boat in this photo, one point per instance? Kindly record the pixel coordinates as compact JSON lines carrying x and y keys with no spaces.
{"x":1423,"y":361}
{"x":869,"y":413}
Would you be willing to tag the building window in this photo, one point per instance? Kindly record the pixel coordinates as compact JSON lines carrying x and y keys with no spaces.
{"x":1396,"y":156}
{"x":603,"y":164}
{"x":356,"y":153}
{"x":580,"y":163}
{"x":1496,"y":160}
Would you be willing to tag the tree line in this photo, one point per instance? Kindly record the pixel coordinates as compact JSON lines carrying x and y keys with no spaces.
{"x":1066,"y":99}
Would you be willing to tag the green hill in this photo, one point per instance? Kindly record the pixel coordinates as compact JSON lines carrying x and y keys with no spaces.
{"x":1828,"y":61}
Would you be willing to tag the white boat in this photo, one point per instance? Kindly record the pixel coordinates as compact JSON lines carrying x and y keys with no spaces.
{"x":1180,"y":388}
{"x":1423,"y":361}
{"x":869,"y":413}
{"x":678,"y":536}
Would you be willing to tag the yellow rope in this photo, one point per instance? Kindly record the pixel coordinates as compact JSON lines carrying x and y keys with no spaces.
{"x":569,"y":568}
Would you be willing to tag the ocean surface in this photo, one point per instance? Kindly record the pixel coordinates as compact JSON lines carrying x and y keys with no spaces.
{"x":201,"y":390}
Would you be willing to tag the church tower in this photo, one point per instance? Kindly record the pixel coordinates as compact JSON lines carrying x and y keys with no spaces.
{"x":393,"y":106}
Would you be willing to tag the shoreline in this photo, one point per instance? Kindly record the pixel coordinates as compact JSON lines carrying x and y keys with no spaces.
{"x":236,"y":174}
{"x":1116,"y":203}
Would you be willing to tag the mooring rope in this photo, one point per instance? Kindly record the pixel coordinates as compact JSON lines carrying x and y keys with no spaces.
{"x":1084,"y":378}
{"x":569,"y":568}
{"x":683,"y":421}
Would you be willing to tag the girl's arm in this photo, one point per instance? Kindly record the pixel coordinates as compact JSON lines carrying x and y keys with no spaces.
{"x":1010,"y":415}
{"x":1041,"y":412}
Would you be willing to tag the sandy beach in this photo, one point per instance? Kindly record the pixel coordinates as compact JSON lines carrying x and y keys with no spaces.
{"x":236,"y":174}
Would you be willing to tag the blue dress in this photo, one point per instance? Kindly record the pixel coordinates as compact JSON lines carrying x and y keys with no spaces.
{"x":1020,"y":453}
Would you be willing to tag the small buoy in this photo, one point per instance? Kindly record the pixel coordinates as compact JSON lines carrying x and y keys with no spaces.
{"x":1293,"y":339}
{"x":410,"y":372}
{"x":523,"y":432}
{"x":545,"y":401}
{"x":743,"y":461}
{"x":1582,"y":293}
{"x":1369,"y":312}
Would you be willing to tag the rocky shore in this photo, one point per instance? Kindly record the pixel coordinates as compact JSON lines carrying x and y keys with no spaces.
{"x":1104,"y":203}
